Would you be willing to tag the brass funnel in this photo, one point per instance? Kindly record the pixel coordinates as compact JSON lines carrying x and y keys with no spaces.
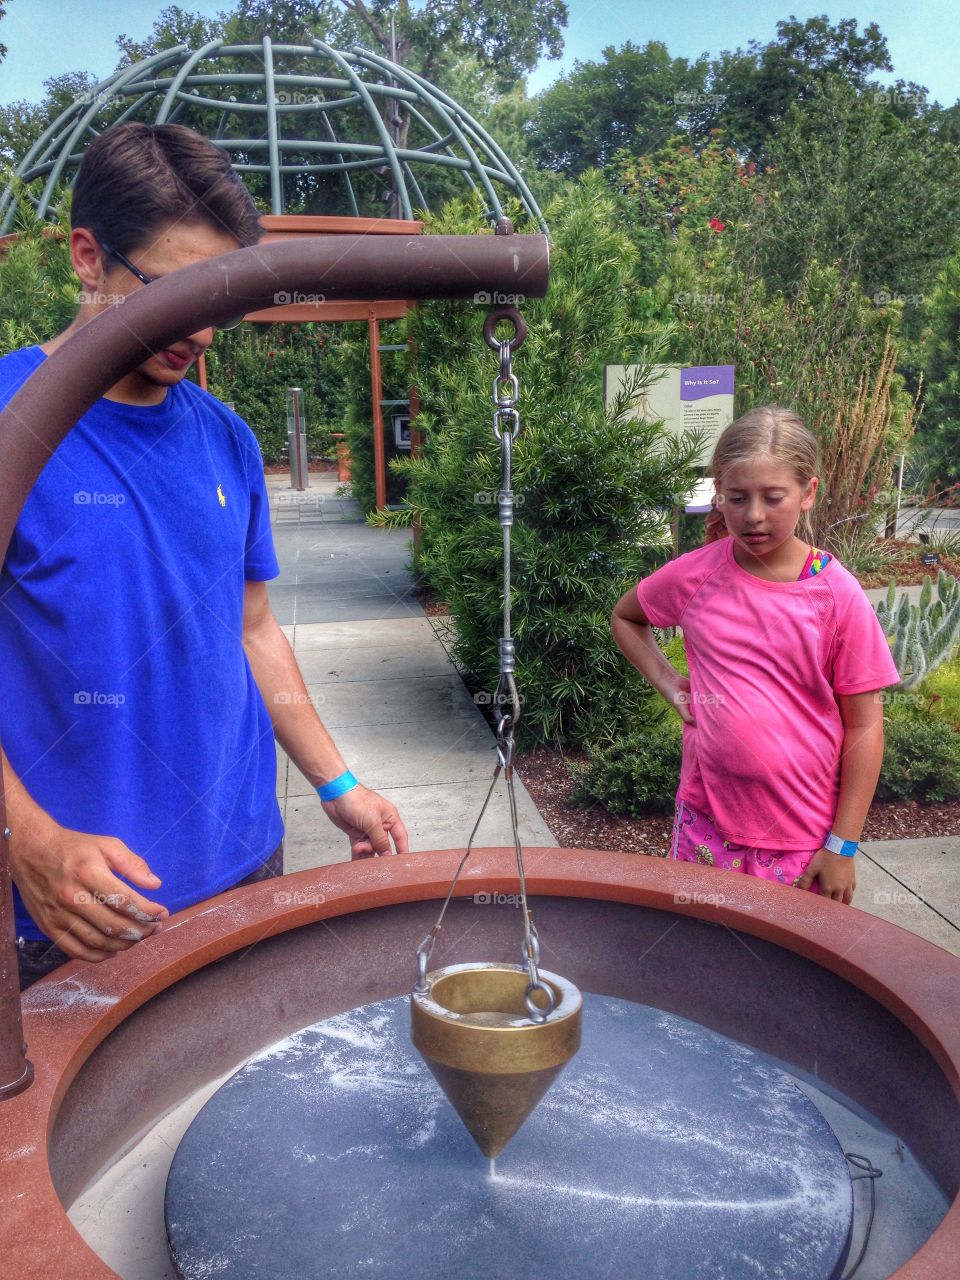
{"x":491,"y":1060}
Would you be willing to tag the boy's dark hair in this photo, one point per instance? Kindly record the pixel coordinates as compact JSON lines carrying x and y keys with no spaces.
{"x":135,"y":177}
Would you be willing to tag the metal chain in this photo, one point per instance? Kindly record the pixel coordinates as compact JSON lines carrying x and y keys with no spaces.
{"x":506,"y":425}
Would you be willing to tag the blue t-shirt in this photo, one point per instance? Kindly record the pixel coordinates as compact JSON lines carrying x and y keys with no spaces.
{"x":127,"y":704}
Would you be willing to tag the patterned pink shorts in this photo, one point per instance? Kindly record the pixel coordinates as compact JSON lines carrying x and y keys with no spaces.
{"x":696,"y":839}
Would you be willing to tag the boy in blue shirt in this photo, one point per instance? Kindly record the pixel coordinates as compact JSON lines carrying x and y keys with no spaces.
{"x":143,"y":675}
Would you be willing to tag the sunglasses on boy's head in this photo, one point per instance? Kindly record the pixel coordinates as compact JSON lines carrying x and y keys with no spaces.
{"x":145,"y":279}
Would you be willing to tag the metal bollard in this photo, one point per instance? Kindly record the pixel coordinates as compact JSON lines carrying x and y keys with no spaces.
{"x":297,"y":440}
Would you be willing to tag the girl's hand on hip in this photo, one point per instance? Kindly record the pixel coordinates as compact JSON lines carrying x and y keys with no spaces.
{"x":837,"y":876}
{"x":677,"y":693}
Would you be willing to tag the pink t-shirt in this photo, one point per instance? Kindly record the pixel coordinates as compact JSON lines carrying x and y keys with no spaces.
{"x":767,"y":660}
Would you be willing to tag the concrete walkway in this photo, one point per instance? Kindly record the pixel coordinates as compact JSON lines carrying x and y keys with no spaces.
{"x":388,"y":691}
{"x":382,"y":682}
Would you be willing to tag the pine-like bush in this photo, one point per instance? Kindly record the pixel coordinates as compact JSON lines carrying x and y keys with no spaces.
{"x":593,"y":486}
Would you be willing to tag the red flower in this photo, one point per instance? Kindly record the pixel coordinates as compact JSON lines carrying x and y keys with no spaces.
{"x":717,"y":225}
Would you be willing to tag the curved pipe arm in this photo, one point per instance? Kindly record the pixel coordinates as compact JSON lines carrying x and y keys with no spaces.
{"x":103,"y":351}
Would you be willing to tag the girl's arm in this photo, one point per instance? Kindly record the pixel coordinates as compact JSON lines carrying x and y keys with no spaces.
{"x":860,"y":758}
{"x":636,"y":641}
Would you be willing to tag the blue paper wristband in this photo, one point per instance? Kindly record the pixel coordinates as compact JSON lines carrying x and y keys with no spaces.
{"x":836,"y":844}
{"x":337,"y":786}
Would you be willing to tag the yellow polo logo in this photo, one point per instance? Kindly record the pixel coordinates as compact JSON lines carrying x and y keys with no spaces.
{"x":220,"y":495}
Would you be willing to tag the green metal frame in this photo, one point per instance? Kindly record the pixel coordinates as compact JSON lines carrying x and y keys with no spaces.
{"x":165,"y":87}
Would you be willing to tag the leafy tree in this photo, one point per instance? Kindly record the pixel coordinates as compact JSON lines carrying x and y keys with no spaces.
{"x":844,"y":181}
{"x":3,"y":47}
{"x":174,"y":26}
{"x":22,"y":123}
{"x":508,"y":40}
{"x":938,"y":435}
{"x":634,"y":99}
{"x":681,"y":187}
{"x":760,"y":84}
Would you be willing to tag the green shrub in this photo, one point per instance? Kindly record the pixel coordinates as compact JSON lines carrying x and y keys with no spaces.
{"x":942,"y":692}
{"x":252,"y":367}
{"x":637,"y":775}
{"x":921,"y":760}
{"x":592,"y":484}
{"x":354,"y":361}
{"x":39,"y":294}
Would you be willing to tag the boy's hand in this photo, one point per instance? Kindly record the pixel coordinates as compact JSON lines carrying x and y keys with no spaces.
{"x":837,"y":876}
{"x":370,"y":821}
{"x":69,"y":883}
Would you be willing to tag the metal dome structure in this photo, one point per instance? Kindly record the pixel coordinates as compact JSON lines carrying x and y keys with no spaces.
{"x":315,"y":130}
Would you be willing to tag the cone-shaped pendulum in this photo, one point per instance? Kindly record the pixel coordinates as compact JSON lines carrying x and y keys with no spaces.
{"x":474,"y":1030}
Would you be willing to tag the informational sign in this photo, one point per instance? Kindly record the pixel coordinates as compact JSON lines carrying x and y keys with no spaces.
{"x":682,"y":397}
{"x":401,"y":430}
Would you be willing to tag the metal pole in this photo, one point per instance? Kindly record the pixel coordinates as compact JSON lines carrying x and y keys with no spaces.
{"x":16,"y":1072}
{"x":376,"y":386}
{"x":296,"y":439}
{"x":891,"y":529}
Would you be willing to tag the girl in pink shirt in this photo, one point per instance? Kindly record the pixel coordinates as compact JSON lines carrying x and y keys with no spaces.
{"x":782,"y":728}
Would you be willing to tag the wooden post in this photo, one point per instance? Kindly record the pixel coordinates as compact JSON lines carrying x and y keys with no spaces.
{"x":202,"y":372}
{"x":416,"y":435}
{"x":376,"y":384}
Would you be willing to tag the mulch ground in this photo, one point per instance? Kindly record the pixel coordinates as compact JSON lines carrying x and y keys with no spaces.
{"x":907,"y":569}
{"x":545,"y":775}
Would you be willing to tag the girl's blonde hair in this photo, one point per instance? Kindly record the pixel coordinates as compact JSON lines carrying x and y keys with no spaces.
{"x":769,"y":431}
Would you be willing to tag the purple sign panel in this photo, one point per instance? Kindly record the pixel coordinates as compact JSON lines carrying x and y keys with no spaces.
{"x":706,"y":380}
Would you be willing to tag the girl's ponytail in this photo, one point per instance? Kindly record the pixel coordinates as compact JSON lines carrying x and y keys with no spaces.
{"x":716,"y":525}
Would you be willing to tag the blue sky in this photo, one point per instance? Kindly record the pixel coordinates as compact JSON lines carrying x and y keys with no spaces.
{"x":48,"y":37}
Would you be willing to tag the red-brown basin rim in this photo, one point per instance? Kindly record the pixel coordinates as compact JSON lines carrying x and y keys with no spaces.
{"x":916,"y":981}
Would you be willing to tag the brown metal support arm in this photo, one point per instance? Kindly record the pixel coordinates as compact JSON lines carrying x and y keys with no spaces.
{"x":103,"y":351}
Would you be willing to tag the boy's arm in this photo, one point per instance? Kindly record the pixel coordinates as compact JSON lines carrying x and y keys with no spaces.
{"x":861,"y":756}
{"x":636,"y":641}
{"x":369,"y":819}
